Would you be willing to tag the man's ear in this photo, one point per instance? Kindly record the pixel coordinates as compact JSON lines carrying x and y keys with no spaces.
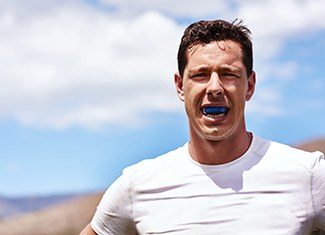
{"x":250,"y":86}
{"x":178,"y":80}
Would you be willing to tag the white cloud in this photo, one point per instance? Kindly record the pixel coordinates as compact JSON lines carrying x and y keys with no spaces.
{"x":75,"y":66}
{"x":180,"y":9}
{"x":272,"y":22}
{"x":64,"y":63}
{"x":265,"y":103}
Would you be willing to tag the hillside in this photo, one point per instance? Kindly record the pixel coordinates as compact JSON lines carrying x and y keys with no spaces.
{"x":68,"y":218}
{"x":317,"y":144}
{"x":10,"y":207}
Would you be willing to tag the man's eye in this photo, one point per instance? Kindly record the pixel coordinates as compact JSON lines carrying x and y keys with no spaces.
{"x":198,"y":75}
{"x":230,"y":75}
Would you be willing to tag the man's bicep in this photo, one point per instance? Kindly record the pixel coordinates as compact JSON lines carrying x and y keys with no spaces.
{"x":88,"y":231}
{"x":114,"y":212}
{"x":318,"y":186}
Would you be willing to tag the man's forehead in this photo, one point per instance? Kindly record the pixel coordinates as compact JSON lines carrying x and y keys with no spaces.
{"x":227,"y":53}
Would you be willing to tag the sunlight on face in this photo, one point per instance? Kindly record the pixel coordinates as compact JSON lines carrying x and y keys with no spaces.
{"x":215,"y":76}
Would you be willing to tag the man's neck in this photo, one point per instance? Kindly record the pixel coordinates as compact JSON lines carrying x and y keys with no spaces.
{"x":219,"y":152}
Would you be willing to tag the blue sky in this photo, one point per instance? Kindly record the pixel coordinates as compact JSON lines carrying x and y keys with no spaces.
{"x":87,"y":86}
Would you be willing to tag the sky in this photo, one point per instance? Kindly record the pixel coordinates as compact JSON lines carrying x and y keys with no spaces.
{"x":86,"y":86}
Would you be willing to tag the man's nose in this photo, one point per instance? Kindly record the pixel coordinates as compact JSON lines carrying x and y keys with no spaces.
{"x":214,"y":86}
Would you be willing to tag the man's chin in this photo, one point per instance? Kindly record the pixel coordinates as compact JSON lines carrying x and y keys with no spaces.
{"x":215,"y":135}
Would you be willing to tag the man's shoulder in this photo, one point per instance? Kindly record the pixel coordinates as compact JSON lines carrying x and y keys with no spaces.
{"x":167,"y":160}
{"x":293,"y":155}
{"x":292,"y":150}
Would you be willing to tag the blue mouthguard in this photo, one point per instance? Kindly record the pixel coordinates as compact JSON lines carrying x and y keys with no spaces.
{"x":214,"y":110}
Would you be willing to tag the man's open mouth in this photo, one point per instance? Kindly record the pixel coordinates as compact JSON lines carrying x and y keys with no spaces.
{"x":215,"y":111}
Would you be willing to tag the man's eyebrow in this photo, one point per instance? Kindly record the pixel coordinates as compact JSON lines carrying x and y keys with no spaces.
{"x":199,"y":69}
{"x":229,"y":68}
{"x":222,"y":68}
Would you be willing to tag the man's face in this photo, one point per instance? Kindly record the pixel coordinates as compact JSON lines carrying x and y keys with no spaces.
{"x":214,"y":89}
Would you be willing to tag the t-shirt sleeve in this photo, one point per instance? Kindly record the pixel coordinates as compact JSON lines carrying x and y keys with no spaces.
{"x":114,"y":212}
{"x":318,"y":190}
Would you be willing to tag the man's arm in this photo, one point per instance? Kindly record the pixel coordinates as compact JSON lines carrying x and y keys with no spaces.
{"x":88,"y":231}
{"x":113,"y":214}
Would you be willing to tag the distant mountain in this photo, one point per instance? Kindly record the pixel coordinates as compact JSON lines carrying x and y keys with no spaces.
{"x":313,"y":145}
{"x":10,"y":207}
{"x":67,"y":218}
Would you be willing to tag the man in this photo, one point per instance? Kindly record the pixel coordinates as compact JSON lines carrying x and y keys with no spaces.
{"x":225,"y":180}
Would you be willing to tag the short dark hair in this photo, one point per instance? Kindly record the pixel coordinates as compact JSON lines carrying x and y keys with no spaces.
{"x":206,"y":31}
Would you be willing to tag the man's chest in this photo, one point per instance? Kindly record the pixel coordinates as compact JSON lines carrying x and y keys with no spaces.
{"x":206,"y":207}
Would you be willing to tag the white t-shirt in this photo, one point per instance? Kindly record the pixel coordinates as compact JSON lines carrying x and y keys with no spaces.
{"x":271,"y":189}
